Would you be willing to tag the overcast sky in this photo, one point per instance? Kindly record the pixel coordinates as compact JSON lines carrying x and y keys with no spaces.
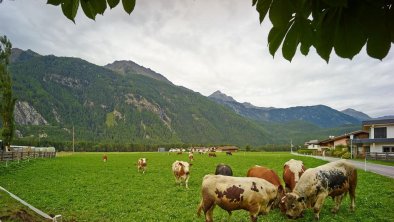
{"x":205,"y":45}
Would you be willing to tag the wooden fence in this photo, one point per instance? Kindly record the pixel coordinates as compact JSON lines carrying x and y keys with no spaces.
{"x":16,"y":156}
{"x":380,"y":156}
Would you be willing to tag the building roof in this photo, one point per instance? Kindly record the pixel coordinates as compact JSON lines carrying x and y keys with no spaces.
{"x":378,"y":121}
{"x":344,"y":136}
{"x":312,"y":142}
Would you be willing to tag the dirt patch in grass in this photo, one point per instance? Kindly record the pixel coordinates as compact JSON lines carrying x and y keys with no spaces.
{"x":12,"y":210}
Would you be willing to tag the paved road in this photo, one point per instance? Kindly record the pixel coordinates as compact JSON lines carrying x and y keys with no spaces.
{"x":384,"y":170}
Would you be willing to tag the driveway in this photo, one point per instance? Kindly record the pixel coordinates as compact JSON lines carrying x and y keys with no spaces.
{"x":384,"y":170}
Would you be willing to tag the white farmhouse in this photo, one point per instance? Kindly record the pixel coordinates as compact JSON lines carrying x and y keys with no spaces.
{"x":381,"y":136}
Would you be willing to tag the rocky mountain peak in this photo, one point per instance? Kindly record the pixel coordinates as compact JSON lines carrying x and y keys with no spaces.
{"x":129,"y":67}
{"x":356,"y":114}
{"x":19,"y":55}
{"x":221,"y":96}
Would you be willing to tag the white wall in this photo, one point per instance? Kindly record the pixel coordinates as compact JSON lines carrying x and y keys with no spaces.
{"x":378,"y":147}
{"x":390,"y":131}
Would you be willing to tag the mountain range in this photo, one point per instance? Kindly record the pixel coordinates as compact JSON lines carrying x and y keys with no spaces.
{"x":124,"y":102}
{"x":320,"y":115}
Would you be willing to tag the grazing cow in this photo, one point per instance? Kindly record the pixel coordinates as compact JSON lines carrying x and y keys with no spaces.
{"x":270,"y":176}
{"x":211,"y":154}
{"x":179,"y":153}
{"x":223,"y":169}
{"x":234,"y":193}
{"x":191,"y":157}
{"x":292,"y":171}
{"x":228,"y":153}
{"x":141,"y":165}
{"x":181,"y":172}
{"x":105,"y":158}
{"x":333,"y":179}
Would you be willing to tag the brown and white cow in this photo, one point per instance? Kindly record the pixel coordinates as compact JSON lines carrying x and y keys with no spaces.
{"x":181,"y":172}
{"x":270,"y":176}
{"x":333,"y":179}
{"x":223,"y":169}
{"x":211,"y":154}
{"x":141,"y":165}
{"x":234,"y":193}
{"x":191,"y":157}
{"x":292,"y":171}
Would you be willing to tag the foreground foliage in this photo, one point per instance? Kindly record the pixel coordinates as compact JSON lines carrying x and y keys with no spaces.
{"x":83,"y":188}
{"x":343,"y":25}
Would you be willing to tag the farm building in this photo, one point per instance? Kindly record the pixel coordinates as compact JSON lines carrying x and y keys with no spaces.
{"x":312,"y":144}
{"x":227,"y":149}
{"x":343,"y":139}
{"x":161,"y":149}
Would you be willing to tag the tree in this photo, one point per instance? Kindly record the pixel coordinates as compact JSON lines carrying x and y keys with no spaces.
{"x":343,"y":25}
{"x":7,"y":104}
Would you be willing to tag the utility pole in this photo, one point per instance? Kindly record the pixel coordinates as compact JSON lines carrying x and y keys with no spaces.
{"x":73,"y":139}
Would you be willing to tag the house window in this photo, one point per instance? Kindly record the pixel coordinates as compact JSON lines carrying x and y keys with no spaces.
{"x":367,"y":149}
{"x":380,"y":132}
{"x":388,"y":149}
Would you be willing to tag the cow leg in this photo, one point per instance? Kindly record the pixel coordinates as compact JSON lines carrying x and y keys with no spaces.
{"x":352,"y":190}
{"x":338,"y":201}
{"x":208,"y":210}
{"x":186,"y":182}
{"x":318,"y":204}
{"x":254,"y":211}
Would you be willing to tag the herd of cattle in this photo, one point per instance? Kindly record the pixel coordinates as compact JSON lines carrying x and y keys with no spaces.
{"x":261,"y":189}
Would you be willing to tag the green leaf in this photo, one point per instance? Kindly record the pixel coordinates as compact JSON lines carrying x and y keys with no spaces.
{"x":254,"y":2}
{"x":379,"y":42}
{"x":281,"y":12}
{"x":128,"y":5}
{"x":55,"y":2}
{"x":113,"y":3}
{"x":70,"y":9}
{"x":325,"y":33}
{"x":99,"y":5}
{"x":307,"y":36}
{"x":88,"y":9}
{"x":275,"y":38}
{"x":291,"y":41}
{"x":262,"y":8}
{"x":349,"y":38}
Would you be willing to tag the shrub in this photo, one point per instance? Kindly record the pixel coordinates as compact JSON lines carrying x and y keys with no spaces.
{"x":346,"y":155}
{"x":305,"y":151}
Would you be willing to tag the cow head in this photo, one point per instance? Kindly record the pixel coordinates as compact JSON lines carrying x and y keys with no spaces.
{"x":294,"y":205}
{"x":184,"y":167}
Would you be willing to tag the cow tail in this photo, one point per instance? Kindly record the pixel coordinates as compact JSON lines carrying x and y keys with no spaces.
{"x":200,"y":208}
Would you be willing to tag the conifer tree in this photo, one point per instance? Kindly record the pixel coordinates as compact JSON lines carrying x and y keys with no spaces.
{"x":7,"y":101}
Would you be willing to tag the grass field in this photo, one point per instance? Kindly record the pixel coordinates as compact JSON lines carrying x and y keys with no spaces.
{"x":83,"y":188}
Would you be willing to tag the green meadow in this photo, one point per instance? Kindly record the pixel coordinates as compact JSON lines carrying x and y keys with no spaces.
{"x":81,"y":187}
